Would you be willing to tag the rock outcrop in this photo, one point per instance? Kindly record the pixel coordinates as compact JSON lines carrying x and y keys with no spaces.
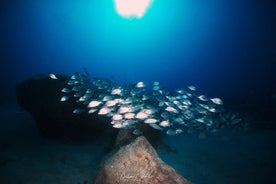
{"x":137,"y":163}
{"x":40,"y":96}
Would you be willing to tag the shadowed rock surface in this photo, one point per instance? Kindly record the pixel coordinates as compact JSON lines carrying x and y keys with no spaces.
{"x":40,"y":96}
{"x":137,"y":163}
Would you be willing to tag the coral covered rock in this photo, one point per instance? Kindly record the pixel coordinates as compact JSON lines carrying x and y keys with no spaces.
{"x":138,"y":163}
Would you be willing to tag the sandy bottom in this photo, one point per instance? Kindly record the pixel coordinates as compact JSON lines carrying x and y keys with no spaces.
{"x":227,"y":157}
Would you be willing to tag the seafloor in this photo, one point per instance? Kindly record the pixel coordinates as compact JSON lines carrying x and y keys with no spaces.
{"x":228,"y":157}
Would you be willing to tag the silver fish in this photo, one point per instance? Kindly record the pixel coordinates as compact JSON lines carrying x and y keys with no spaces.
{"x":192,"y":88}
{"x":91,"y":111}
{"x":137,"y":132}
{"x":150,"y":121}
{"x":124,"y":109}
{"x":76,"y":88}
{"x":161,"y":109}
{"x":203,"y":98}
{"x":171,"y":132}
{"x":53,"y":76}
{"x":104,"y":111}
{"x":117,"y":117}
{"x":216,"y":101}
{"x":116,"y":91}
{"x":107,"y":98}
{"x":94,"y":103}
{"x":72,"y":82}
{"x":78,"y":111}
{"x":155,"y":126}
{"x":64,"y":98}
{"x":140,"y":85}
{"x":66,"y":90}
{"x":164,"y":123}
{"x":141,"y":115}
{"x":118,"y":125}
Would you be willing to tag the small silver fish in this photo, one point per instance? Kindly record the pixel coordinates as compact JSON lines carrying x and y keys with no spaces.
{"x":156,"y":83}
{"x":202,"y":98}
{"x":157,"y":127}
{"x":66,"y":90}
{"x":179,"y":120}
{"x":107,"y":98}
{"x":171,"y":109}
{"x":137,"y":132}
{"x":116,"y":91}
{"x":192,"y":88}
{"x":129,"y":115}
{"x":76,"y":88}
{"x":124,"y":109}
{"x":140,"y":85}
{"x":74,"y":77}
{"x":141,"y":115}
{"x":117,"y":117}
{"x":174,"y":131}
{"x":180,"y":91}
{"x":91,"y":111}
{"x":111,"y":103}
{"x":78,"y":111}
{"x":104,"y":111}
{"x":212,"y":110}
{"x":77,"y":95}
{"x":155,"y":88}
{"x":118,"y":125}
{"x":164,"y":123}
{"x":216,"y":101}
{"x":53,"y":76}
{"x":178,"y":131}
{"x":72,"y":82}
{"x":150,"y":120}
{"x":129,"y":122}
{"x":171,"y":132}
{"x":64,"y":98}
{"x":94,"y":103}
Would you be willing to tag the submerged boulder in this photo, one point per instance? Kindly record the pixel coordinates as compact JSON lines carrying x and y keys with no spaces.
{"x":137,"y":163}
{"x":40,"y":96}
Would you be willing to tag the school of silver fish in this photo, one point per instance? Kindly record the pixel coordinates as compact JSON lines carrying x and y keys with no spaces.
{"x":128,"y":105}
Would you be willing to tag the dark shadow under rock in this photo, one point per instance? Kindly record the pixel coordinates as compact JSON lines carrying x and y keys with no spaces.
{"x":137,"y":163}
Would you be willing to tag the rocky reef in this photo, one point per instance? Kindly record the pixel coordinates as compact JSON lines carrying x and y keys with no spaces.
{"x":136,"y":163}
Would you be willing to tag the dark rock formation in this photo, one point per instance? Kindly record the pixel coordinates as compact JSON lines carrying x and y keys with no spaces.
{"x":40,"y":96}
{"x":137,"y":163}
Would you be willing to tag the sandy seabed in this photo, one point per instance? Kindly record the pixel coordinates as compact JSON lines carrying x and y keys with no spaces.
{"x":228,"y":157}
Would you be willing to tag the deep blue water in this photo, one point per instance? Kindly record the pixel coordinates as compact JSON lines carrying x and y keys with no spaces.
{"x":225,"y":48}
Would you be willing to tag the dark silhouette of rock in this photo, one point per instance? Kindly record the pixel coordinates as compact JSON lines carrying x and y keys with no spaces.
{"x":137,"y":163}
{"x":40,"y":96}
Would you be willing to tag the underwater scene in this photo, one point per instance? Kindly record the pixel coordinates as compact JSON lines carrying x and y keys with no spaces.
{"x":137,"y":92}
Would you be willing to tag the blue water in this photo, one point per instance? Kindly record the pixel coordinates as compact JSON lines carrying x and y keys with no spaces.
{"x":226,"y":49}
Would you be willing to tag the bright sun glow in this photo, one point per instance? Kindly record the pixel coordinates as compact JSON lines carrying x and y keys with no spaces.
{"x":132,"y":8}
